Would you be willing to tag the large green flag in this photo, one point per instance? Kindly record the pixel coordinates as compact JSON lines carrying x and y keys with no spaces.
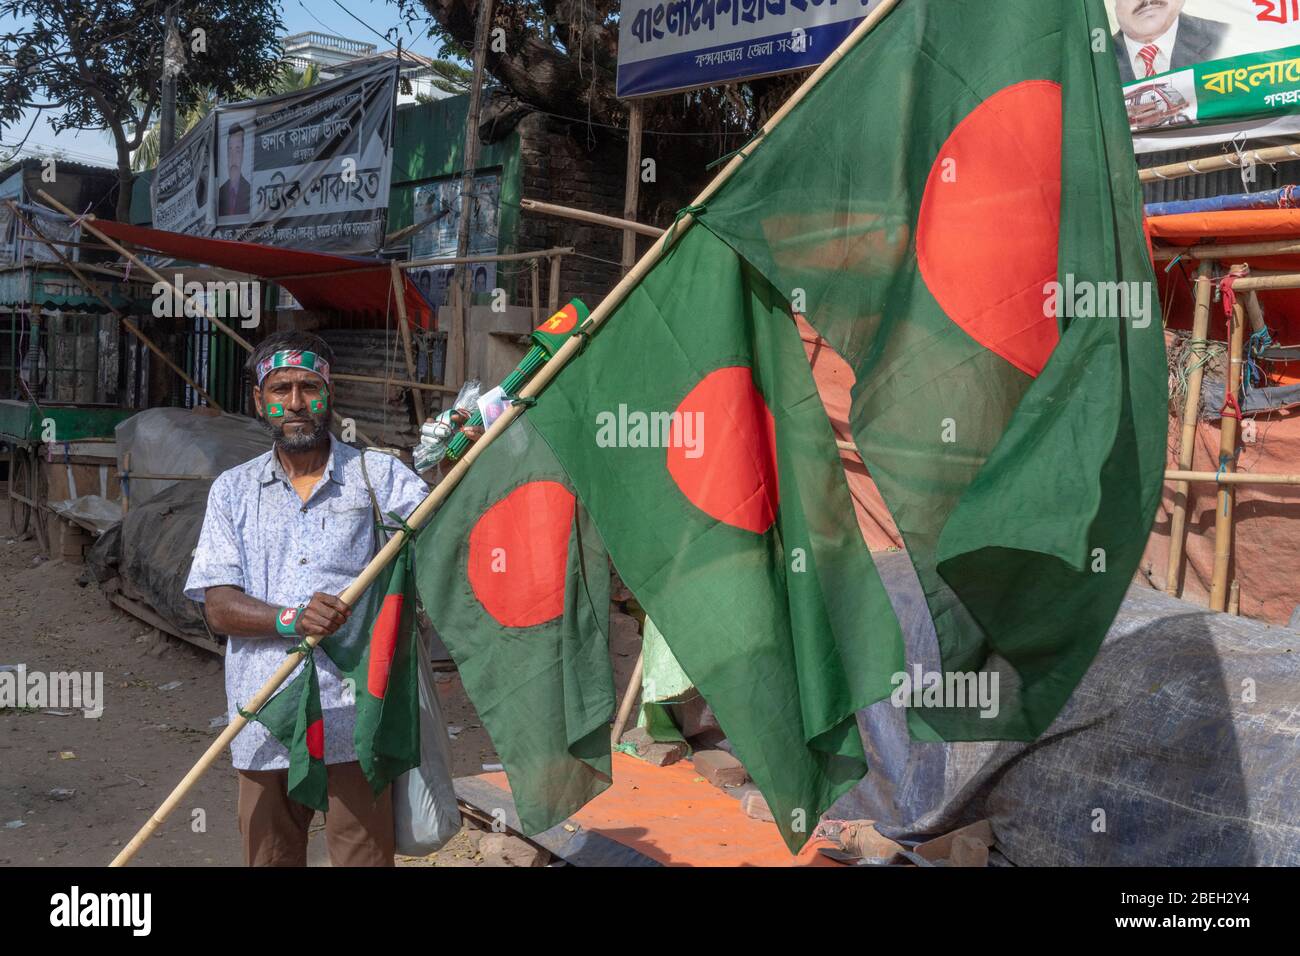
{"x":375,"y":653}
{"x":917,"y":206}
{"x":516,"y":580}
{"x":693,"y":433}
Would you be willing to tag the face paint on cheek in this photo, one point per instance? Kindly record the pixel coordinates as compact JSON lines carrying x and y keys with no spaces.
{"x":319,"y":405}
{"x":274,"y":410}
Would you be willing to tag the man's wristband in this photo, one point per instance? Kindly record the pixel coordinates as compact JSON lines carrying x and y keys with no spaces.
{"x":286,"y":618}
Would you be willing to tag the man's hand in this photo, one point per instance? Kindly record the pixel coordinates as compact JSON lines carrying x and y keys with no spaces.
{"x":323,"y":615}
{"x":473,"y":433}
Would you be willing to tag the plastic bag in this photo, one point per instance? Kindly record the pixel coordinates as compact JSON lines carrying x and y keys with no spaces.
{"x":435,"y":435}
{"x":425,"y":814}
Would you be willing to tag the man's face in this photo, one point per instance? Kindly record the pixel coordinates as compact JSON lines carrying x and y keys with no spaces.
{"x":294,"y":404}
{"x":235,"y":153}
{"x":1144,"y":20}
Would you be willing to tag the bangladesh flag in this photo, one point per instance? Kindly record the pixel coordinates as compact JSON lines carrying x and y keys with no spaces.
{"x":375,"y":652}
{"x":694,"y":435}
{"x":955,"y":208}
{"x":516,"y":580}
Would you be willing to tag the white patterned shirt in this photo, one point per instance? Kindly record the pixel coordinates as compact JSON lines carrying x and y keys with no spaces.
{"x":259,"y":536}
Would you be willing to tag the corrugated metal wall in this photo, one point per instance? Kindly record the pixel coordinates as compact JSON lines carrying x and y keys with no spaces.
{"x":1224,"y":183}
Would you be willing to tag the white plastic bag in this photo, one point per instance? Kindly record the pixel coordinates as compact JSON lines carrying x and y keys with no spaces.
{"x":425,"y":814}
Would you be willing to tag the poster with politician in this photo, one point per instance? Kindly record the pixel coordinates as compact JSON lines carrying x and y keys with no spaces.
{"x":181,"y":189}
{"x":1201,"y":71}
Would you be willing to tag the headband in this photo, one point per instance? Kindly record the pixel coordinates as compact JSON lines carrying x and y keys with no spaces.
{"x":293,"y":358}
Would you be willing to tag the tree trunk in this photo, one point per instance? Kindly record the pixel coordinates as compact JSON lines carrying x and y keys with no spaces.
{"x":125,"y":179}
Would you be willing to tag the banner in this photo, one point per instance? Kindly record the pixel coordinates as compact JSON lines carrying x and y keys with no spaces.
{"x":1203,"y":71}
{"x":438,"y":239}
{"x":668,"y":45}
{"x":182,"y":183}
{"x":309,"y":169}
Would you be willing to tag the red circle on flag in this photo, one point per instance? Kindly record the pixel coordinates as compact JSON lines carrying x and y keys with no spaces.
{"x":986,"y":239}
{"x":722,"y":450}
{"x":316,"y":739}
{"x":519,"y":552}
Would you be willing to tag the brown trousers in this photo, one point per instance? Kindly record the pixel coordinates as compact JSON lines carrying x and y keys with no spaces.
{"x":358,"y":826}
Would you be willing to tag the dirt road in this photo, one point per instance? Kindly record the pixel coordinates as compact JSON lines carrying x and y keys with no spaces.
{"x":73,"y":789}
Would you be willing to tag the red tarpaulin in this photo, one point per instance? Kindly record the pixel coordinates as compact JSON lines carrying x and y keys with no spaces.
{"x":367,"y":289}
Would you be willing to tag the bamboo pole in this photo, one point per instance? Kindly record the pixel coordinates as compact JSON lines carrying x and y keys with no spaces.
{"x":1187,"y":446}
{"x":1236,"y":250}
{"x":1234,"y":598}
{"x":117,"y":313}
{"x":1213,"y":164}
{"x":399,"y":294}
{"x":400,"y":383}
{"x":629,"y":698}
{"x":595,"y":218}
{"x":535,"y":270}
{"x":632,"y":184}
{"x":422,"y":263}
{"x":88,"y":222}
{"x":424,"y":511}
{"x":1223,"y":526}
{"x":1232,"y":478}
{"x":553,"y":292}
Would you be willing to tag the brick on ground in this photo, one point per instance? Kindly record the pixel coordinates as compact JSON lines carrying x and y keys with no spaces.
{"x":720,"y":768}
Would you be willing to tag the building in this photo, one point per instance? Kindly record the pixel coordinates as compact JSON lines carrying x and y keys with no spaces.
{"x":336,"y":56}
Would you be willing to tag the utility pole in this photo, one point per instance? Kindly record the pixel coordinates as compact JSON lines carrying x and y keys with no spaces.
{"x":456,"y":338}
{"x":173,"y":63}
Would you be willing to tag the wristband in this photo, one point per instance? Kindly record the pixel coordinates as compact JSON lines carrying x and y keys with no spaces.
{"x":286,"y":618}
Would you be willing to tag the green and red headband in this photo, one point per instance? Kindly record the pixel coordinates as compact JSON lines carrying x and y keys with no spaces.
{"x":293,"y":358}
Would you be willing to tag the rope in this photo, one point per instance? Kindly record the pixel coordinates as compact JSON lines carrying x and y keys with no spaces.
{"x":693,"y":210}
{"x":739,"y":151}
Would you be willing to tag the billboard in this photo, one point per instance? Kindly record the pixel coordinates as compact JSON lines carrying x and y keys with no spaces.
{"x":1203,"y":71}
{"x":668,"y":45}
{"x":309,"y":169}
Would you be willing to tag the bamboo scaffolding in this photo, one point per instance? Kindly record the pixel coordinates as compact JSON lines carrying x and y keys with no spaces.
{"x":1236,"y":250}
{"x":1231,"y":478}
{"x":1214,"y":164}
{"x":88,"y":222}
{"x":595,"y":218}
{"x":1223,"y":526}
{"x":405,"y":264}
{"x":1186,"y":448}
{"x":399,"y":294}
{"x":424,"y":511}
{"x":117,"y":313}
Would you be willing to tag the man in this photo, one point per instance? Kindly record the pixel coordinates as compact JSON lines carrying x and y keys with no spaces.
{"x":1155,"y":36}
{"x":283,"y":534}
{"x":232,"y":198}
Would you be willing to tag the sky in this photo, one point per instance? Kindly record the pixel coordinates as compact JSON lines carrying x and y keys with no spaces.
{"x":324,"y":16}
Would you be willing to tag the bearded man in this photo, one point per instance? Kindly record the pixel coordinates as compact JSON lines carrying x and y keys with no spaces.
{"x":282,"y":536}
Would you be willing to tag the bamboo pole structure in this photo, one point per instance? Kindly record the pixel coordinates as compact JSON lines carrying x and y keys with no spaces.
{"x":117,"y":313}
{"x":629,"y":698}
{"x":536,"y":277}
{"x":553,"y":293}
{"x":1236,"y":250}
{"x":88,"y":222}
{"x":1187,"y":446}
{"x":595,"y":218}
{"x":424,"y":511}
{"x":632,"y":184}
{"x":1234,"y":598}
{"x":401,"y":383}
{"x":405,"y":264}
{"x":1214,"y":164}
{"x":399,"y":294}
{"x":1228,"y":456}
{"x":1232,"y":478}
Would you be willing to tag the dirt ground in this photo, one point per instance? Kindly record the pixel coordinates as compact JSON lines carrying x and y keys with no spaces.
{"x":121,"y":765}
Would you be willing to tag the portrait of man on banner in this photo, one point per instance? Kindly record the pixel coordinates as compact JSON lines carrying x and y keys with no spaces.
{"x":1156,"y":36}
{"x":233,"y":197}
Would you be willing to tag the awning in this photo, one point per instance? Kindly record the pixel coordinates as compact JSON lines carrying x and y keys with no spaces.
{"x":317,"y":280}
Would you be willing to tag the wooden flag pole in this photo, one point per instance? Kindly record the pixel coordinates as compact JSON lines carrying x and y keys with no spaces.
{"x":1191,"y":413}
{"x":399,"y":294}
{"x":424,"y":511}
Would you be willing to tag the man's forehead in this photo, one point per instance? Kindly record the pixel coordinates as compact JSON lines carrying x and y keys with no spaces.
{"x":291,"y":376}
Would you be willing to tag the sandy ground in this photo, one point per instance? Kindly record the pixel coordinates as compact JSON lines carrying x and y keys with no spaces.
{"x":121,"y":765}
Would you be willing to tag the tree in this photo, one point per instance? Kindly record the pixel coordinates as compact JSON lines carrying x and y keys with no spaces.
{"x":97,"y":64}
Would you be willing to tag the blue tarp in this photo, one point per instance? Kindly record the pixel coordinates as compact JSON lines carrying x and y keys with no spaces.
{"x":1180,"y":747}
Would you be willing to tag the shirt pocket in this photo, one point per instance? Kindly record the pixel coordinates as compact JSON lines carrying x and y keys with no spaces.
{"x":347,"y":530}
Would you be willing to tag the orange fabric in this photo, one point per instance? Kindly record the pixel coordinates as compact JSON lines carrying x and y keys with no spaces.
{"x":1257,"y":225}
{"x":674,"y":816}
